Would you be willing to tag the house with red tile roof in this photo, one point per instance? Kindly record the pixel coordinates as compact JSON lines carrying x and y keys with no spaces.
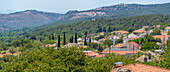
{"x":145,"y":27}
{"x":120,"y":32}
{"x":119,"y":45}
{"x":123,"y":52}
{"x":84,"y":46}
{"x":139,"y":31}
{"x":133,"y":44}
{"x":158,"y":26}
{"x":50,"y":45}
{"x":128,"y":45}
{"x":91,"y":54}
{"x":137,"y":67}
{"x":102,"y":39}
{"x":102,"y":33}
{"x":164,"y":33}
{"x":123,"y":49}
{"x":162,"y":37}
{"x":167,"y":28}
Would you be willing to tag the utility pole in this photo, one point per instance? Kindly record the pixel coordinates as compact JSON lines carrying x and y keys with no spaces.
{"x":164,"y":41}
{"x":167,"y":41}
{"x":109,"y":49}
{"x":133,"y":55}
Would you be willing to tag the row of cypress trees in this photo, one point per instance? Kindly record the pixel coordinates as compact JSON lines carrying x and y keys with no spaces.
{"x":64,"y":42}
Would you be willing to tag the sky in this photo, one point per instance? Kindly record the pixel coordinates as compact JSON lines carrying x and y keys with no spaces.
{"x":62,"y":6}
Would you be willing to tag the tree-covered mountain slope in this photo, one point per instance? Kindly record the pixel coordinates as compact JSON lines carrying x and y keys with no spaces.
{"x":106,"y":25}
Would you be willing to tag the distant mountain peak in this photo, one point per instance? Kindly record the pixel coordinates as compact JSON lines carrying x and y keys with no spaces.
{"x":72,"y":11}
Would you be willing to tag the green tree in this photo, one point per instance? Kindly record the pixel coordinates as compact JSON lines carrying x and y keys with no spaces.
{"x":12,"y":50}
{"x":16,"y":43}
{"x":100,"y":48}
{"x":119,"y":41}
{"x":131,"y":30}
{"x":58,"y":41}
{"x":108,"y":42}
{"x":149,"y":46}
{"x":147,"y":29}
{"x":64,"y":42}
{"x":168,"y":32}
{"x":156,"y":32}
{"x":92,"y":45}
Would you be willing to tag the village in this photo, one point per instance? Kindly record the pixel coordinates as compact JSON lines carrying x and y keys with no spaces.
{"x":143,"y":45}
{"x":126,"y":47}
{"x":124,"y":43}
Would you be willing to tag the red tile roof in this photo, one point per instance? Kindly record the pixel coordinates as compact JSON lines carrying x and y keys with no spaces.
{"x":102,"y":39}
{"x":119,"y":52}
{"x":161,"y":36}
{"x":164,"y":33}
{"x":145,"y":26}
{"x":167,"y":28}
{"x":120,"y":32}
{"x":158,"y":26}
{"x":101,"y":33}
{"x":84,"y":46}
{"x":49,"y":45}
{"x":134,"y":44}
{"x":142,"y":68}
{"x":92,"y":53}
{"x":139,"y":31}
{"x":119,"y":45}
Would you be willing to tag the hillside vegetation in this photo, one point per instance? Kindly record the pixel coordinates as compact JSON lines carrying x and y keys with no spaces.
{"x":99,"y":25}
{"x":106,"y":25}
{"x":33,"y":18}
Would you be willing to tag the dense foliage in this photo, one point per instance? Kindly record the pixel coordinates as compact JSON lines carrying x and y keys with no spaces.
{"x":106,"y":25}
{"x":70,"y":59}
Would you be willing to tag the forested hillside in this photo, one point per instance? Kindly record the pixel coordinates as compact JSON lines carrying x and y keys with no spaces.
{"x":26,"y":51}
{"x":99,"y":25}
{"x":106,"y":25}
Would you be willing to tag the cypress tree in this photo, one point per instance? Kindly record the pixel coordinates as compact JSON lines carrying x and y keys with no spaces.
{"x":90,"y":40}
{"x":40,"y":40}
{"x":64,"y":43}
{"x":75,"y":37}
{"x":85,"y":43}
{"x":53,"y":37}
{"x":58,"y":41}
{"x":72,"y":39}
{"x":49,"y":37}
{"x":86,"y":33}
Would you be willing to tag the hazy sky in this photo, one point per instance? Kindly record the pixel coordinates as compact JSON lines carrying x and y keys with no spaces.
{"x":62,"y":6}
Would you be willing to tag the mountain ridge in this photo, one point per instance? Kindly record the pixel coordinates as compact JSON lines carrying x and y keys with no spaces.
{"x":34,"y":18}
